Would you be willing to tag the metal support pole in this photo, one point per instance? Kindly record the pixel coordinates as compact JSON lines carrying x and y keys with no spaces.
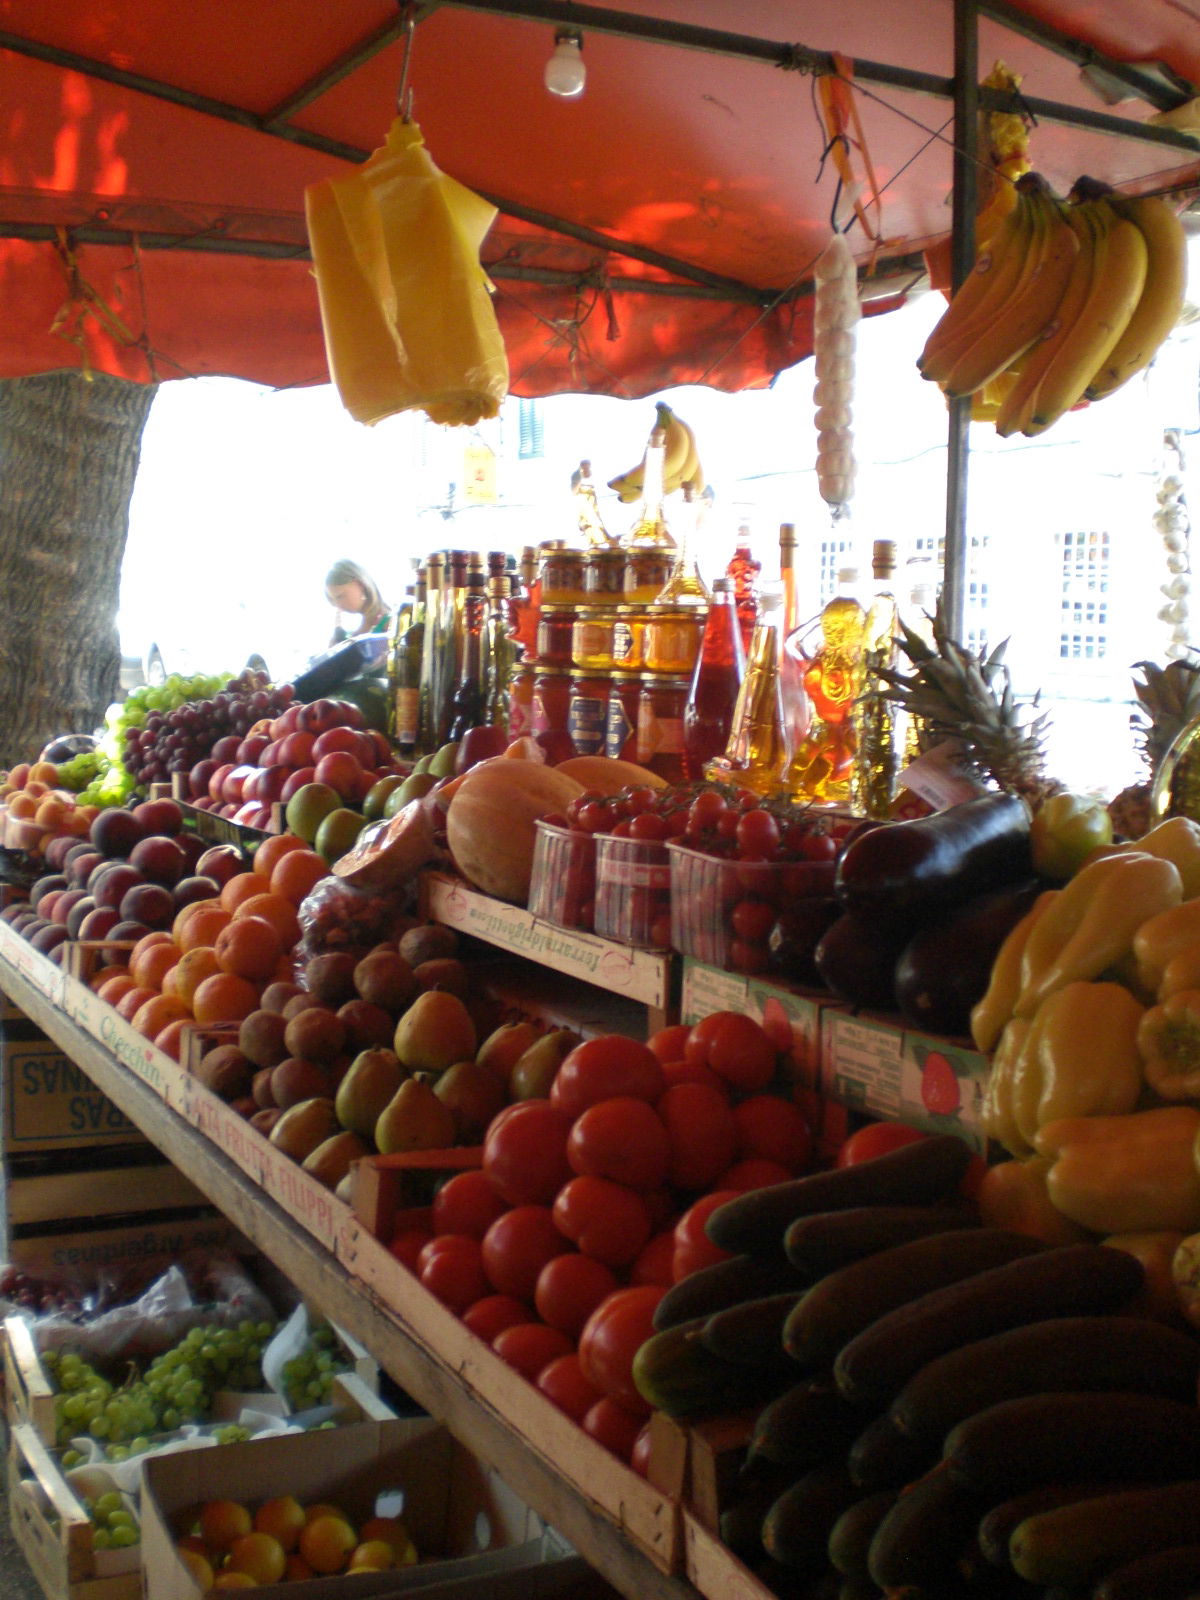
{"x":966,"y":116}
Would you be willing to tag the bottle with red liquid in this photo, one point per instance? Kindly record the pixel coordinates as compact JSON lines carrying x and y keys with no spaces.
{"x":742,"y":572}
{"x":716,"y":680}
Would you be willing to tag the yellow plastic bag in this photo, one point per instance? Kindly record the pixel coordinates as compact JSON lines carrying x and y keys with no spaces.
{"x":405,"y":304}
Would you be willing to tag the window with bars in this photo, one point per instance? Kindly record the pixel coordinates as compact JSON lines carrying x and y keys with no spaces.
{"x":833,"y":556}
{"x":530,"y":423}
{"x":1084,"y":606}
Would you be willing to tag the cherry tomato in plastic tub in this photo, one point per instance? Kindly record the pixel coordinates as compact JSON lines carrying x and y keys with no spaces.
{"x":603,"y":1068}
{"x":467,"y":1203}
{"x":569,"y":1289}
{"x":525,"y":1152}
{"x":517,"y":1246}
{"x":612,"y":1336}
{"x":622,"y":1139}
{"x":605,"y":1220}
{"x":757,"y":833}
{"x":876,"y":1139}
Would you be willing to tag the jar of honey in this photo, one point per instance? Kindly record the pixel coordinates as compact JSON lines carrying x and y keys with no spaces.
{"x":647,"y":568}
{"x":673,"y":635}
{"x":661,"y":704}
{"x":560,"y":573}
{"x":621,"y":726}
{"x":520,"y":702}
{"x":554,"y":630}
{"x":550,"y":708}
{"x":628,"y":642}
{"x":604,"y":575}
{"x":588,"y":711}
{"x":592,"y":638}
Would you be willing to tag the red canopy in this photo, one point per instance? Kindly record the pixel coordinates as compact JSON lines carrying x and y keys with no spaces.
{"x":653,"y":232}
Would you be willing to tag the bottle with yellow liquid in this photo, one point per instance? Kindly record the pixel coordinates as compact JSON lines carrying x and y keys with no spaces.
{"x":876,"y":719}
{"x":823,"y":762}
{"x":756,"y":754}
{"x":684,"y":585}
{"x":651,"y":526}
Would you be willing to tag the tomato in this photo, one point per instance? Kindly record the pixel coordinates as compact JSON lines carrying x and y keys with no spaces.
{"x":699,"y":1120}
{"x":622,"y":1139}
{"x":693,"y":1248}
{"x":531,"y":1346}
{"x":603,"y":1068}
{"x":736,"y":1048}
{"x":639,"y":1456}
{"x":667,"y":1044}
{"x":569,"y":1288}
{"x":451,"y":1268}
{"x":876,"y":1139}
{"x":757,"y":833}
{"x":495,"y":1312}
{"x":407,"y":1245}
{"x":612,"y":1336}
{"x":752,"y":920}
{"x":563,"y":1382}
{"x":606,"y":1220}
{"x":655,"y":1264}
{"x":775,"y":1129}
{"x":525,"y":1152}
{"x":467,"y":1203}
{"x":754,"y":1172}
{"x":517,"y":1246}
{"x":613,"y":1426}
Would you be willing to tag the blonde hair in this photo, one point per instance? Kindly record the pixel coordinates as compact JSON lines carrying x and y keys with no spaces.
{"x":350,"y":572}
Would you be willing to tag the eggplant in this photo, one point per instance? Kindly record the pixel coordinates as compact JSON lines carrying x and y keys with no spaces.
{"x":945,"y":967}
{"x":914,"y":870}
{"x":857,"y":957}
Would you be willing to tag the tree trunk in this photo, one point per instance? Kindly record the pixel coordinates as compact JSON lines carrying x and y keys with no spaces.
{"x":69,"y":452}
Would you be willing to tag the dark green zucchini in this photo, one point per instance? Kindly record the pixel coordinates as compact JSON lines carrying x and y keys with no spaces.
{"x":881,"y":1457}
{"x":806,"y":1425}
{"x":796,"y":1529}
{"x":1163,"y":1575}
{"x":918,"y":1544}
{"x":742,"y":1515}
{"x":833,"y":1239}
{"x":751,"y":1335}
{"x":995,"y":1528}
{"x":675,"y":1373}
{"x":726,"y":1283}
{"x":851,"y":1535}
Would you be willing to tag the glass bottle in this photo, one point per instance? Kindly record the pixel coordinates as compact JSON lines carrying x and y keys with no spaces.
{"x":797,"y":711}
{"x":651,"y":527}
{"x":684,"y":585}
{"x":406,"y":674}
{"x":431,"y":653}
{"x":821,"y":766}
{"x":468,"y":706}
{"x":527,"y":603}
{"x":877,"y":753}
{"x":591,"y":524}
{"x":500,"y":652}
{"x":716,"y":682}
{"x":756,"y":754}
{"x":742,"y":572}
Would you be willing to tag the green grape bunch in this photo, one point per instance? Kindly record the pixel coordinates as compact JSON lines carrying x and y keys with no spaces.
{"x":308,"y":1377}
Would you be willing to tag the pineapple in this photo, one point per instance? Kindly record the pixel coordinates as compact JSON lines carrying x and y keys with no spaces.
{"x":954,"y":694}
{"x":1168,"y":698}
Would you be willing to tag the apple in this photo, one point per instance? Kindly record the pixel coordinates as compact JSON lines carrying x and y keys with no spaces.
{"x":253,"y":815}
{"x":350,"y":715}
{"x":149,"y":903}
{"x":319,"y":715}
{"x":270,"y":786}
{"x":296,"y":750}
{"x":384,"y":754}
{"x":272,"y":755}
{"x":235,"y":783}
{"x":217,"y":780}
{"x":159,"y":816}
{"x":251,"y":748}
{"x":158,"y":859}
{"x":480,"y":744}
{"x":341,"y":772}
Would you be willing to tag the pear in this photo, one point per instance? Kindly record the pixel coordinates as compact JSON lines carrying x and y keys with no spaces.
{"x":475,"y":1095}
{"x":442,"y":765}
{"x":372,"y":1080}
{"x":414,"y":1119}
{"x":434,"y":1033}
{"x":330,"y":1162}
{"x":501,"y":1050}
{"x":536,"y":1068}
{"x":303,"y":1127}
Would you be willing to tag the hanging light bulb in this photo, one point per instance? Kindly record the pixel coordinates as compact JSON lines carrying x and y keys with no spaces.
{"x":565,"y":72}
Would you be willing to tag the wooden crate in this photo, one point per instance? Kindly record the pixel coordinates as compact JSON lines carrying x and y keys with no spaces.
{"x":389,"y":1189}
{"x":28,"y":1392}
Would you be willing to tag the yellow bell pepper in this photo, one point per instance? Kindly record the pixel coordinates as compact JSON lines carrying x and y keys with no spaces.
{"x":1160,"y":939}
{"x":1012,"y":1195}
{"x":1125,"y":1174}
{"x":1180,"y":973}
{"x":1176,"y":840}
{"x":1168,"y":1039}
{"x":1090,"y":927}
{"x":989,"y":1015}
{"x":1080,"y":1058}
{"x":996,"y":1112}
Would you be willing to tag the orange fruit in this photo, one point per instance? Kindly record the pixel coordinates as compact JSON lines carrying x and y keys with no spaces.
{"x":231,"y":1579}
{"x":223,"y":1521}
{"x":43,"y":772}
{"x":282,"y":1517}
{"x":273,"y":849}
{"x":150,"y":1019}
{"x":259,"y":1555}
{"x":110,"y":983}
{"x":248,"y":947}
{"x":297,"y":1567}
{"x":189,"y":972}
{"x":326,"y":1543}
{"x":239,"y":888}
{"x":132,"y":1000}
{"x":297,"y":874}
{"x":51,"y":812}
{"x":394,"y":1534}
{"x":224,"y":998}
{"x":151,"y":966}
{"x":170,"y":1040}
{"x":276,"y":910}
{"x":202,"y":927}
{"x":372,"y":1555}
{"x":198,"y":1566}
{"x":22,"y":807}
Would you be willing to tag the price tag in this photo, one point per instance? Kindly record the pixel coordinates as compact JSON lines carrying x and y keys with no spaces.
{"x":938,"y":777}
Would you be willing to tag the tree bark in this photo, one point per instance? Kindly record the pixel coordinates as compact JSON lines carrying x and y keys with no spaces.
{"x":69,"y":451}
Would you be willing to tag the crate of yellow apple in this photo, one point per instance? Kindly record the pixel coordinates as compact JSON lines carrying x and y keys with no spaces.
{"x":234,"y":1546}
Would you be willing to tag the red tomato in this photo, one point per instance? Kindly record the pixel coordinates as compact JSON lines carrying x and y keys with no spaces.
{"x":876,"y":1139}
{"x":569,"y":1289}
{"x":613,"y":1426}
{"x":603,"y":1068}
{"x":668,"y":1043}
{"x":693,"y":1248}
{"x":495,"y":1312}
{"x":606,"y":1220}
{"x":691,"y":1072}
{"x":525,"y":1152}
{"x":612,"y":1336}
{"x":736,"y":1048}
{"x":563,"y":1382}
{"x":451,"y":1268}
{"x":530,"y":1346}
{"x":467,"y":1203}
{"x":755,"y":1172}
{"x":639,"y":1458}
{"x":775,"y":1129}
{"x":517,"y":1246}
{"x":656,"y":1264}
{"x":407,"y":1245}
{"x":703,"y":1133}
{"x":622,"y":1139}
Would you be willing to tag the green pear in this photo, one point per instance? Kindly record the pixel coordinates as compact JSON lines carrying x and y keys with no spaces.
{"x":415,"y":787}
{"x":414,"y":1119}
{"x":423,"y":764}
{"x":536,"y":1069}
{"x":434,"y":1033}
{"x":501,"y":1050}
{"x":331,"y":1161}
{"x":442,"y":765}
{"x":372,"y":1080}
{"x":475,"y":1095}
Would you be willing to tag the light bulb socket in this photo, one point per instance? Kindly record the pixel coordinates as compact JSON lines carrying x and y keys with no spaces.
{"x":565,"y":73}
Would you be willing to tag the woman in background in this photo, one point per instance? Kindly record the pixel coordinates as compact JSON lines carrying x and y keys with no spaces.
{"x":355,"y":594}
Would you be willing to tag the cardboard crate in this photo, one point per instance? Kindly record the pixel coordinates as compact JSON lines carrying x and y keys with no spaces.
{"x":466,"y":1523}
{"x":50,"y":1104}
{"x":77,"y":1246}
{"x":54,"y":1532}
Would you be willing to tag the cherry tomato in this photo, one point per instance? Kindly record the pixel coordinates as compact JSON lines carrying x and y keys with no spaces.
{"x":495,"y":1312}
{"x":613,"y":1426}
{"x":407,"y":1245}
{"x":775,"y":1130}
{"x":467,"y":1203}
{"x":569,"y":1289}
{"x":639,"y":1457}
{"x":606,"y":1220}
{"x":757,"y":833}
{"x":649,"y":825}
{"x":530,"y":1347}
{"x":451,"y":1268}
{"x":703,"y":1133}
{"x":517,"y":1246}
{"x":748,"y":958}
{"x":622,"y":1139}
{"x":819,"y":847}
{"x":737,"y":1049}
{"x":752,"y":920}
{"x":656,"y":1264}
{"x":601,"y":1069}
{"x":754,"y":1172}
{"x":693,"y":1248}
{"x":623,"y":829}
{"x":667,"y":1044}
{"x":525,"y":1152}
{"x":876,"y":1139}
{"x":597,"y":816}
{"x":678,"y":823}
{"x":706,"y":808}
{"x":639,"y":801}
{"x":727,"y":825}
{"x":563,"y":1383}
{"x":612,"y":1336}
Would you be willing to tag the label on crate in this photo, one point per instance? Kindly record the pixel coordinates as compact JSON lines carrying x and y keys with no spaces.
{"x":50,"y":1104}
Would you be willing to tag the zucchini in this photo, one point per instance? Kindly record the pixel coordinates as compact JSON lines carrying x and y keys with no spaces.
{"x":945,"y":968}
{"x":851,"y":1535}
{"x":806,"y":1425}
{"x":726,"y":1283}
{"x":881,"y":1457}
{"x":742,"y":1517}
{"x":996,"y":1527}
{"x":919,"y":1542}
{"x":845,"y":1302}
{"x":831,"y":1239}
{"x":1131,"y":1354}
{"x":675,"y":1373}
{"x":1075,"y":1545}
{"x":796,"y":1529}
{"x":920,"y":1173}
{"x":1068,"y":1280}
{"x":1164,"y":1575}
{"x":751,"y":1335}
{"x":1061,"y":1438}
{"x":919,"y":868}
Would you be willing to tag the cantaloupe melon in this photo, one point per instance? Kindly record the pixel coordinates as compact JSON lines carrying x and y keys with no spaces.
{"x":603,"y":776}
{"x":490,"y":823}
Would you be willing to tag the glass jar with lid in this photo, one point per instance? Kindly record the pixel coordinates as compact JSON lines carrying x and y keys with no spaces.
{"x":560,"y":573}
{"x":550,"y":707}
{"x":520,"y":702}
{"x":621,"y":724}
{"x":628,"y":641}
{"x":673,"y":635}
{"x":587,"y":712}
{"x":661,"y":704}
{"x":604,"y":574}
{"x":592,"y":638}
{"x":554,"y":630}
{"x":647,"y":568}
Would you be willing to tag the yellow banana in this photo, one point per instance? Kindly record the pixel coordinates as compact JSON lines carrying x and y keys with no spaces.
{"x":690,"y":462}
{"x":992,"y":279}
{"x":1117,"y":281}
{"x":1016,"y":409}
{"x":1032,"y":304}
{"x":629,"y":484}
{"x":676,"y":446}
{"x":1161,"y":301}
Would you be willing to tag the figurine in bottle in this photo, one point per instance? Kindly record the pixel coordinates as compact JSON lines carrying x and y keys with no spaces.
{"x":823,"y":763}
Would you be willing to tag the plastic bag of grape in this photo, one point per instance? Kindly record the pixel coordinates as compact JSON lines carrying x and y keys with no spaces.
{"x":336,"y":917}
{"x":300,"y":1362}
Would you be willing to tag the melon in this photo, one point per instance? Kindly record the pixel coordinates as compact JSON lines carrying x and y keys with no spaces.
{"x":490,"y":824}
{"x":387,"y":854}
{"x":604,"y":776}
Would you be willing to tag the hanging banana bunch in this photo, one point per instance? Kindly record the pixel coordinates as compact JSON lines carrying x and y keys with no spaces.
{"x":681,"y":460}
{"x":835,"y":315}
{"x":1067,"y":301}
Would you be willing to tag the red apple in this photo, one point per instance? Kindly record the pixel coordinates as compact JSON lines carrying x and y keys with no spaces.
{"x":271,"y":781}
{"x":159,"y":816}
{"x":383,"y":751}
{"x":158,"y":859}
{"x":296,"y":750}
{"x":340,"y":739}
{"x":218,"y":779}
{"x":149,"y":903}
{"x":113,"y":885}
{"x":350,"y":715}
{"x":235,"y":783}
{"x":226,"y":747}
{"x":320,"y":715}
{"x":115,"y":832}
{"x":272,"y":755}
{"x":251,"y":748}
{"x":297,"y":780}
{"x":220,"y":862}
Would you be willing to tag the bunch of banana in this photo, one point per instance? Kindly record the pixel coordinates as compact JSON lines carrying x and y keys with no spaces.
{"x":1067,"y":301}
{"x":681,"y":460}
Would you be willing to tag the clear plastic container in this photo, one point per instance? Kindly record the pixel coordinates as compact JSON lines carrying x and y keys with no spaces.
{"x":562,"y":888}
{"x":707,"y":891}
{"x":633,"y":892}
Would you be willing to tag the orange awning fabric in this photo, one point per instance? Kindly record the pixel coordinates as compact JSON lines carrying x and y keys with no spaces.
{"x":658,"y":230}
